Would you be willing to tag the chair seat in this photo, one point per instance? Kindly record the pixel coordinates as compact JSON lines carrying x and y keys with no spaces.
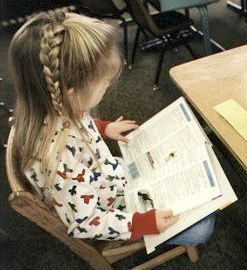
{"x":170,"y":22}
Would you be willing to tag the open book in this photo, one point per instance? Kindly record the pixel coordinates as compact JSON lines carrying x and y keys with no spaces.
{"x":172,"y":166}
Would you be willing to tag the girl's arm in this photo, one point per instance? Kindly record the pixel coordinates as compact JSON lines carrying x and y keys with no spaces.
{"x":101,"y":126}
{"x":87,"y":220}
{"x":114,"y":130}
{"x":78,"y":205}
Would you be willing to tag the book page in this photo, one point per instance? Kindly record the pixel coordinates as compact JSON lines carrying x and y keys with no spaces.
{"x":178,"y":189}
{"x":167,"y":159}
{"x":175,"y":119}
{"x":195,"y":214}
{"x":172,"y":165}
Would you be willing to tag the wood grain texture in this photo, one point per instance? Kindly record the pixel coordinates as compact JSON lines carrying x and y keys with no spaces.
{"x":211,"y":80}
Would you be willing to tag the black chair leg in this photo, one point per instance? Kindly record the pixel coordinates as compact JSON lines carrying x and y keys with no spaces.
{"x":3,"y":106}
{"x":138,"y":31}
{"x":187,"y":12}
{"x":126,"y":49}
{"x":158,"y":71}
{"x":187,"y":46}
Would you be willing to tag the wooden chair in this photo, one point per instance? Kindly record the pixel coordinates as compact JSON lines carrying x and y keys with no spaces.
{"x":100,"y":255}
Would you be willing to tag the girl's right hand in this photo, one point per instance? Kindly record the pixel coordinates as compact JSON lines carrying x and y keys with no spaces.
{"x":164,"y":219}
{"x":115,"y":129}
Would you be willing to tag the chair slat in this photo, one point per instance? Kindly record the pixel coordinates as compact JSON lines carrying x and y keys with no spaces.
{"x":14,"y":183}
{"x":161,"y":259}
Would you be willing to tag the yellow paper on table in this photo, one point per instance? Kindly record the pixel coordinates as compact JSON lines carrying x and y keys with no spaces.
{"x":235,"y":115}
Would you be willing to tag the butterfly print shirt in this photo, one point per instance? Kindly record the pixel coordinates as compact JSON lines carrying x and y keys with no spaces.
{"x":88,"y":188}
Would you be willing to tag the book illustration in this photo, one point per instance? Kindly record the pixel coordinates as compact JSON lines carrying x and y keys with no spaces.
{"x":150,"y":159}
{"x":209,"y":174}
{"x":170,"y":156}
{"x":145,"y":200}
{"x":133,"y":170}
{"x":185,"y":112}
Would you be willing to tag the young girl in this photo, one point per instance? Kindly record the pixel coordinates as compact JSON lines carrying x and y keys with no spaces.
{"x":62,"y":65}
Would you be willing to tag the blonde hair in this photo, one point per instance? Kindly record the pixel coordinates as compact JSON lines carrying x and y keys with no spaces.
{"x":49,"y":55}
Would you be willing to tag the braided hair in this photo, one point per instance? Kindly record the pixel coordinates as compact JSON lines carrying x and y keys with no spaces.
{"x":53,"y":35}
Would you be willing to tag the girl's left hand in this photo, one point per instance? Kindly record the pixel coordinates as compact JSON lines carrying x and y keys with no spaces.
{"x":115,"y":129}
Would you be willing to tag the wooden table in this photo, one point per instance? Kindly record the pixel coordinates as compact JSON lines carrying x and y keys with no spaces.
{"x":212,"y":80}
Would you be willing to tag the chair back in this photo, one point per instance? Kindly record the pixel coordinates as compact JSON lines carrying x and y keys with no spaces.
{"x":101,"y":8}
{"x":141,"y":16}
{"x":14,"y":176}
{"x":29,"y":206}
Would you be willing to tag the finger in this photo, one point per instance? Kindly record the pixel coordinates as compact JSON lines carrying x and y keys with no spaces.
{"x":124,"y":128}
{"x":129,"y":127}
{"x":122,"y":139}
{"x":167,"y":213}
{"x":120,"y":118}
{"x":129,"y":122}
{"x":170,"y":221}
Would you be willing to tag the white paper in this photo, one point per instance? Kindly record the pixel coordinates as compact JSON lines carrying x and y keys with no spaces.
{"x":167,"y":158}
{"x":192,"y":216}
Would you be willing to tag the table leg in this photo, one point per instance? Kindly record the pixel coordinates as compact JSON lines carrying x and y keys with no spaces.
{"x":205,"y":26}
{"x":205,"y":33}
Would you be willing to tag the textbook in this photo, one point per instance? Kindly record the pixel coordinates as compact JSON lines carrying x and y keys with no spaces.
{"x":172,"y":165}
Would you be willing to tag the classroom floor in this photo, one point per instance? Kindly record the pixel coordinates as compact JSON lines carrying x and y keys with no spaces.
{"x":24,"y":246}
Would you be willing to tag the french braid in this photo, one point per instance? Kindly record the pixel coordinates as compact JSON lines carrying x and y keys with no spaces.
{"x":50,"y":58}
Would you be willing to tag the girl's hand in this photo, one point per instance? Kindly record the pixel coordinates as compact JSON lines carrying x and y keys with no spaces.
{"x":115,"y":129}
{"x":164,"y":219}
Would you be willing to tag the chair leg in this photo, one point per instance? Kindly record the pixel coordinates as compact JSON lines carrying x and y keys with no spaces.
{"x":4,"y":237}
{"x":135,"y":47}
{"x":192,"y":253}
{"x":161,"y":259}
{"x":158,"y":70}
{"x":187,"y":12}
{"x":187,"y":46}
{"x":126,"y":49}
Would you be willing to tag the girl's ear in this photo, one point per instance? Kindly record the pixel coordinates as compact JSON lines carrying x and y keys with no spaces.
{"x":71,"y":92}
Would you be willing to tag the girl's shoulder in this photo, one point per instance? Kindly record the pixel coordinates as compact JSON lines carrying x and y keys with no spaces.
{"x":75,"y":135}
{"x":86,"y":119}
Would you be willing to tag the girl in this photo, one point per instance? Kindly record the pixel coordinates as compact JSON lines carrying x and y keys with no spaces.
{"x":62,"y":65}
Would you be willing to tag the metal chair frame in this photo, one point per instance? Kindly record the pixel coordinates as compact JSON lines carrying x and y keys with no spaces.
{"x":165,"y":37}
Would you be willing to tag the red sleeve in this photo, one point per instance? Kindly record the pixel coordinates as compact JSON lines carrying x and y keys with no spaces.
{"x":143,"y":223}
{"x":101,"y":125}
